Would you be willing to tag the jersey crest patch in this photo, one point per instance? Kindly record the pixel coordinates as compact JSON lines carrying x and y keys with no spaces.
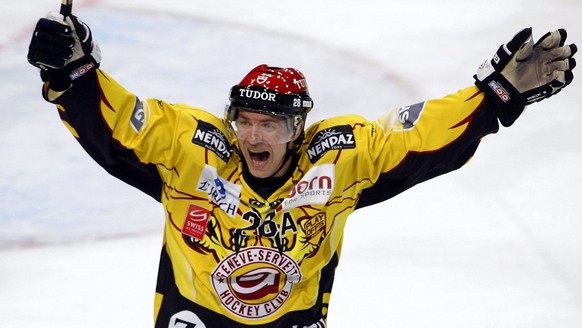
{"x":255,"y":282}
{"x":211,"y":138}
{"x":337,"y":137}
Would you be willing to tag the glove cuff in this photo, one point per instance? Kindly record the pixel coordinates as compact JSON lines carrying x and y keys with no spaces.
{"x":508,"y":100}
{"x":62,"y":79}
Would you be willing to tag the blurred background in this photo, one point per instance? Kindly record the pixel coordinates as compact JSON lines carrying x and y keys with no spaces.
{"x":495,"y":244}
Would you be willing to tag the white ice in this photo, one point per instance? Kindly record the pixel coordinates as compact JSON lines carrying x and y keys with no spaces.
{"x":496,"y":244}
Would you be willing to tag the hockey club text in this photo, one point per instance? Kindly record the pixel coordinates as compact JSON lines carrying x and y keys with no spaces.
{"x":255,"y":282}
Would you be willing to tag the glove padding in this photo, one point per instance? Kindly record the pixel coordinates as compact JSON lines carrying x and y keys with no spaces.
{"x":64,"y":49}
{"x":522,"y":72}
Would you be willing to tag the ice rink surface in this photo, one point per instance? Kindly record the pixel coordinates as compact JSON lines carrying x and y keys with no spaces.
{"x":495,"y":244}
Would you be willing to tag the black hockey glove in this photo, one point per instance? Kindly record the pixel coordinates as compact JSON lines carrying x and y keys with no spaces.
{"x":522,"y":72}
{"x":64,"y":50}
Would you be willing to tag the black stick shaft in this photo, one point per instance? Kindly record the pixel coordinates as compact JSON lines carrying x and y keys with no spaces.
{"x":66,"y":7}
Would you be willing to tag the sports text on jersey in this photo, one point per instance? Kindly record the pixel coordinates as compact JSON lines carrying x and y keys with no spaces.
{"x":337,"y":137}
{"x":315,"y":187}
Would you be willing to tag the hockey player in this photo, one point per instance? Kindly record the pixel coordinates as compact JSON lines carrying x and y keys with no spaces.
{"x":255,"y":202}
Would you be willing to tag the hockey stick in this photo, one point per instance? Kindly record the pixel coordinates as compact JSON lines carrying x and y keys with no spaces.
{"x":66,"y":7}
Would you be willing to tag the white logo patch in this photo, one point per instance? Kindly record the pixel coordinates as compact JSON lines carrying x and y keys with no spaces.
{"x":185,"y":319}
{"x":221,"y":192}
{"x":315,"y":187}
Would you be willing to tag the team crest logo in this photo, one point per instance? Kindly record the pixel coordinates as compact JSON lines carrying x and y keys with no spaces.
{"x":255,"y":282}
{"x":263,"y":78}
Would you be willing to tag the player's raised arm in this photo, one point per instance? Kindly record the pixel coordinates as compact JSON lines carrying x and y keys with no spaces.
{"x":100,"y":113}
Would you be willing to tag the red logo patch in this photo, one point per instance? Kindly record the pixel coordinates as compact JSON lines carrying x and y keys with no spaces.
{"x":195,"y":222}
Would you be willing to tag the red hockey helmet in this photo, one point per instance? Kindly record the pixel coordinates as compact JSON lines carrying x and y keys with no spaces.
{"x":273,"y":91}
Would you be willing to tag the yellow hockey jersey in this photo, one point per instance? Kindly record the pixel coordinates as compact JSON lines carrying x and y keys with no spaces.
{"x":231,"y":257}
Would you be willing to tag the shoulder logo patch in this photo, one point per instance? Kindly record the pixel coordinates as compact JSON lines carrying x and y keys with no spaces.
{"x":409,"y":115}
{"x":337,"y":137}
{"x":211,"y":138}
{"x":138,"y":116}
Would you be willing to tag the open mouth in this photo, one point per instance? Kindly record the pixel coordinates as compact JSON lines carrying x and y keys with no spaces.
{"x":259,"y":157}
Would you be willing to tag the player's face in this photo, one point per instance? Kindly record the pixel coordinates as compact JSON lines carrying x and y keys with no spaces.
{"x":259,"y":139}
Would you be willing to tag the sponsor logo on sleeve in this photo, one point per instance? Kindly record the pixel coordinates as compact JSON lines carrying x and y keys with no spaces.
{"x":221,"y":192}
{"x":138,"y":116}
{"x":211,"y":138}
{"x":315,"y":187}
{"x":337,"y":137}
{"x":409,"y":115}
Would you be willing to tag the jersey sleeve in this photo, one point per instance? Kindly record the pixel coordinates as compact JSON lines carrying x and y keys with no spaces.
{"x":118,"y":130}
{"x":412,"y":144}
